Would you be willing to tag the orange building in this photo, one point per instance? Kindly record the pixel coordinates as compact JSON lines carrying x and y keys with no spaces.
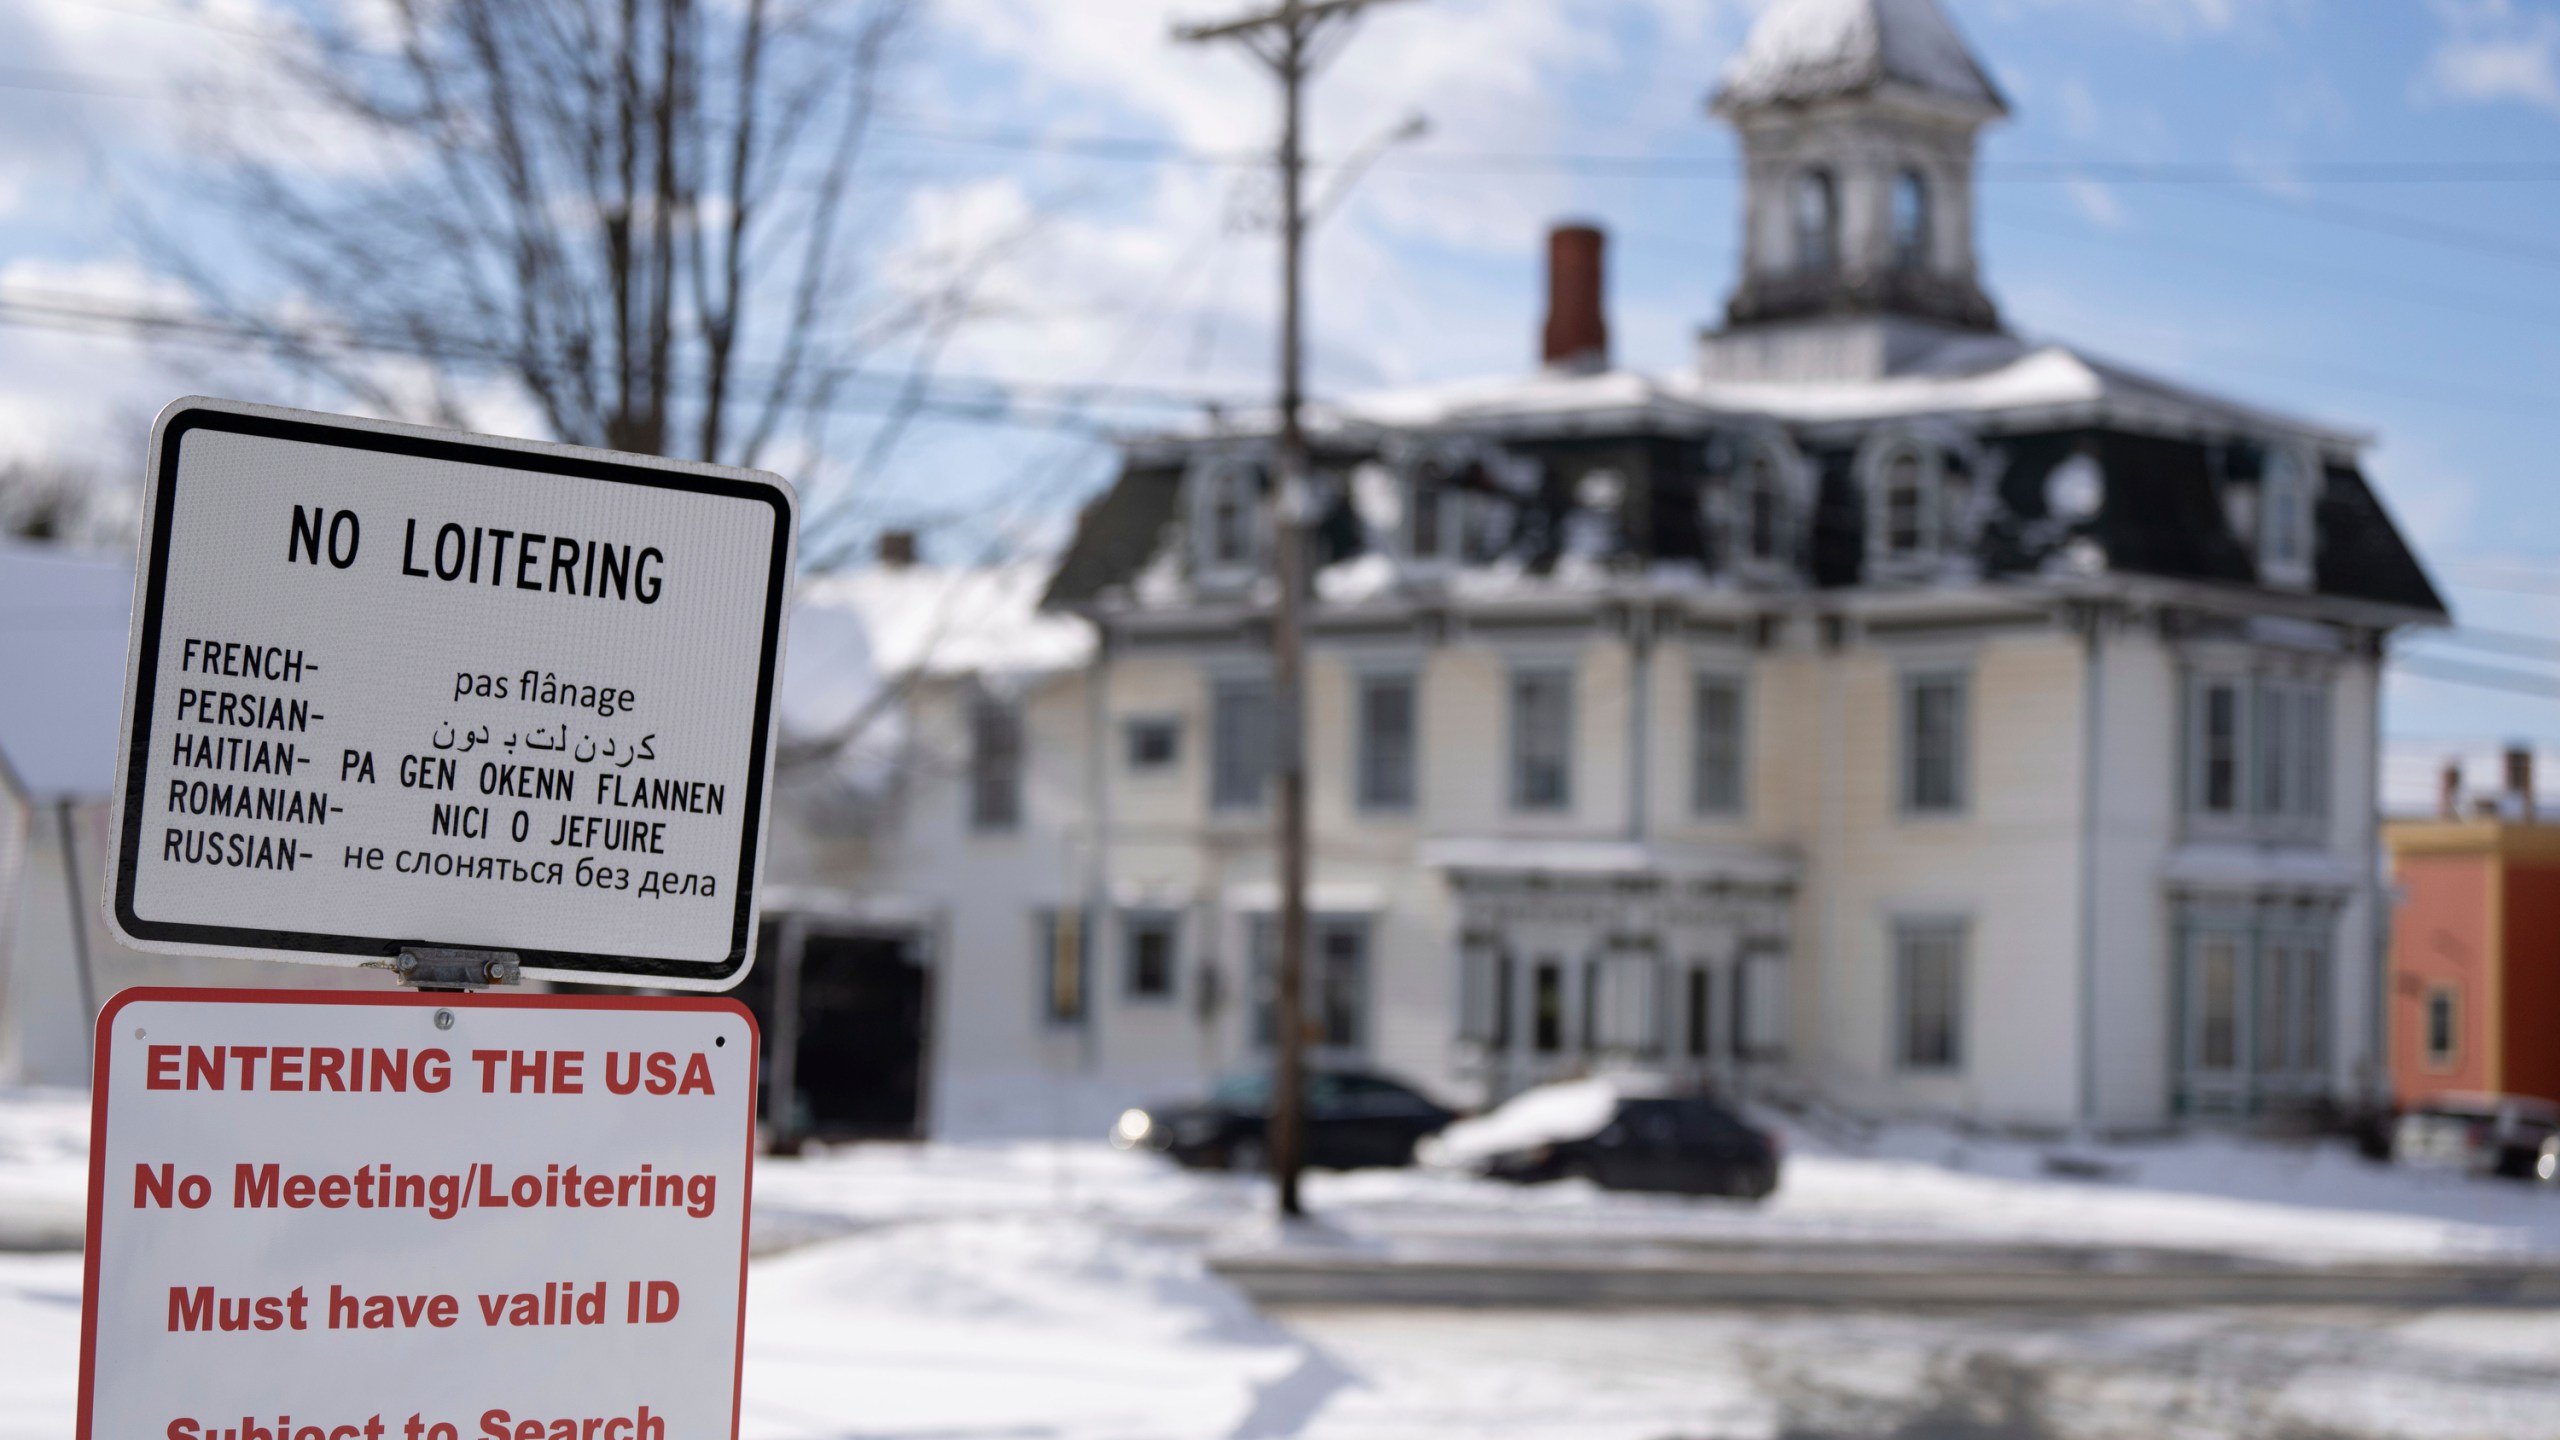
{"x":2475,"y":947}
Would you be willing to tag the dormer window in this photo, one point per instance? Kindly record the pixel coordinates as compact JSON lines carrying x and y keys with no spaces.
{"x":1817,"y":223}
{"x":1226,"y":516}
{"x":1764,"y":510}
{"x":1750,"y":514}
{"x":1430,"y":492}
{"x":1919,"y":499}
{"x":1910,"y":222}
{"x":1459,"y":499}
{"x":2286,"y":495}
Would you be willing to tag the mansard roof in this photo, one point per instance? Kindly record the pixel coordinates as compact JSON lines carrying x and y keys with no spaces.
{"x":1804,"y":51}
{"x":2169,"y":456}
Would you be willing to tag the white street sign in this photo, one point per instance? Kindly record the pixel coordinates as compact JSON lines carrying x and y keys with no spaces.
{"x":391,"y":687}
{"x":393,"y":1216}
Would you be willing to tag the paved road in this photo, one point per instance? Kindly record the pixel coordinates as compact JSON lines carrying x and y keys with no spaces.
{"x":2293,"y":1373}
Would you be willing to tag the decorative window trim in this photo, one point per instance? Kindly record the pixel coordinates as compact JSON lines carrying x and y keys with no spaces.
{"x":1214,"y":474}
{"x":1724,"y":510}
{"x":1461,"y":523}
{"x":1949,"y":523}
{"x":2284,"y":712}
{"x":2290,"y":479}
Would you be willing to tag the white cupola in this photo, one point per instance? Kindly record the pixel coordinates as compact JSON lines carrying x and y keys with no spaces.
{"x":1858,"y":120}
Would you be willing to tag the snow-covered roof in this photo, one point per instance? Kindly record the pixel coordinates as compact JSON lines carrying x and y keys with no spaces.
{"x":1807,"y":50}
{"x":942,"y":620}
{"x":1988,"y":377}
{"x":64,"y":616}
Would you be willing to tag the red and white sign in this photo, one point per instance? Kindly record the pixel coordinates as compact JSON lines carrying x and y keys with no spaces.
{"x":357,"y":1216}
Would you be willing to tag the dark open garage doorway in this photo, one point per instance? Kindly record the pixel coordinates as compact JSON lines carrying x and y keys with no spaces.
{"x":844,"y":1012}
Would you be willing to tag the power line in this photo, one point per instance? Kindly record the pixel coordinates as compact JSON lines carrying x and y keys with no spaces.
{"x":2504,"y":642}
{"x":80,"y":315}
{"x":2485,"y":677}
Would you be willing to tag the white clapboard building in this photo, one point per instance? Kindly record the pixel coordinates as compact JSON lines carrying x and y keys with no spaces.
{"x":1882,"y":706}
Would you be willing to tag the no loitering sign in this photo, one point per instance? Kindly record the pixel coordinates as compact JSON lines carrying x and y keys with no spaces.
{"x":393,"y":687}
{"x":351,"y":1216}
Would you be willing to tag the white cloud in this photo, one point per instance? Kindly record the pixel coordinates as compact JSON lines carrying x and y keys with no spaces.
{"x":2097,"y":203}
{"x":2494,"y":51}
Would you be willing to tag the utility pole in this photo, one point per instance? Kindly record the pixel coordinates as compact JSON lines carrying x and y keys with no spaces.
{"x":1292,"y":41}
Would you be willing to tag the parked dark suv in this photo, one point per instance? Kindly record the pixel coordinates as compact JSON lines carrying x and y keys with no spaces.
{"x":1354,"y":1118}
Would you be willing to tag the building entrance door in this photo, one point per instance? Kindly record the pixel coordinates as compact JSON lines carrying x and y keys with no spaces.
{"x":856,"y":1028}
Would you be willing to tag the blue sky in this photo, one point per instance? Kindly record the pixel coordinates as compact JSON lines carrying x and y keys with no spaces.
{"x":2283,"y":264}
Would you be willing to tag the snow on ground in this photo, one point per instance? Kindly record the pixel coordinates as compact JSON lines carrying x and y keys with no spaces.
{"x":1909,"y":1187}
{"x":998,"y":1292}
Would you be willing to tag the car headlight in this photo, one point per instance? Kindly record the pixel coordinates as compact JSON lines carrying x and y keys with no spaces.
{"x":2547,"y":1167}
{"x":1131,"y":1128}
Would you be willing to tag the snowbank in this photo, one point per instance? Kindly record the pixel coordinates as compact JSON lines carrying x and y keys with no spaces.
{"x":1548,"y":1115}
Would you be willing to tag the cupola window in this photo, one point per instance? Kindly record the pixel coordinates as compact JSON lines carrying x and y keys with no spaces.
{"x":1817,"y":223}
{"x":1764,"y":509}
{"x":1910,"y":222}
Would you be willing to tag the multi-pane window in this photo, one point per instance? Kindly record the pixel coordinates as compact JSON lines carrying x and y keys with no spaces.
{"x":2257,"y":754}
{"x":2254,"y":998}
{"x":1240,"y":743}
{"x":1153,"y":941}
{"x":1542,"y":739}
{"x":1333,"y":981}
{"x":1929,"y":989}
{"x":1716,"y":746}
{"x":1933,"y":744}
{"x":1387,"y":732}
{"x":995,"y":764}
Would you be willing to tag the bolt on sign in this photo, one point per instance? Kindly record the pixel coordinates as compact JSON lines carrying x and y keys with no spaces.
{"x":392,"y":687}
{"x":357,"y":1215}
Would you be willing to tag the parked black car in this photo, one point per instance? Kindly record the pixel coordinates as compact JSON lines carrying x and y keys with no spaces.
{"x":1684,"y":1144}
{"x":1354,"y":1119}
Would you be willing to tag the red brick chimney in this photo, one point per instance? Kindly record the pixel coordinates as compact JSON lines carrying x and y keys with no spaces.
{"x":2520,"y":782}
{"x":1577,"y":335}
{"x":2449,"y":791}
{"x":897,"y":549}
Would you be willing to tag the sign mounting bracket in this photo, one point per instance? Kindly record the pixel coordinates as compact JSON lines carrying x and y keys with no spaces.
{"x":435,"y":967}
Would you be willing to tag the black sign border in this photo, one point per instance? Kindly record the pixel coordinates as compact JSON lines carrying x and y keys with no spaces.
{"x":173,"y":433}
